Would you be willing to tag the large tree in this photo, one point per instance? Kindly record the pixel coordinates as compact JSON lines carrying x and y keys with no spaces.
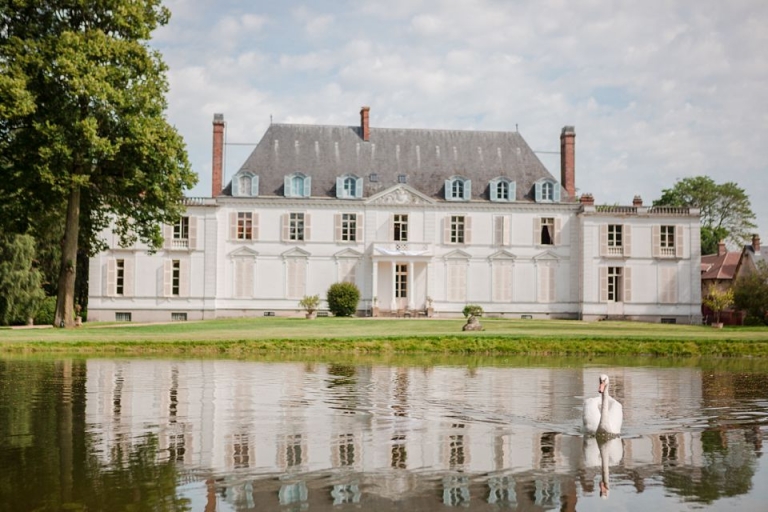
{"x":726,"y":213}
{"x":20,"y":282}
{"x":84,"y":137}
{"x":750,"y":293}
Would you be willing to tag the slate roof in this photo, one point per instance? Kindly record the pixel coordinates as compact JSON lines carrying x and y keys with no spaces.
{"x":720,"y":266}
{"x":426,"y":157}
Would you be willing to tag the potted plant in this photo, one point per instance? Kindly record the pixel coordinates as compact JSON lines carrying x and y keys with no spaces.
{"x":375,"y":311}
{"x":310,"y":303}
{"x":430,"y":309}
{"x":717,"y":300}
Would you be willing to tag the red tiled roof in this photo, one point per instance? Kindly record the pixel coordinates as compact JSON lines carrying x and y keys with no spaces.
{"x":717,"y":266}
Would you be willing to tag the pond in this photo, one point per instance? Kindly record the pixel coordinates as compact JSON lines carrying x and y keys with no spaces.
{"x":225,"y":435}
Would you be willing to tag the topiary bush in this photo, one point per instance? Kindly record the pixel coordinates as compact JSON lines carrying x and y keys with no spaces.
{"x":342,"y":299}
{"x":473,"y":310}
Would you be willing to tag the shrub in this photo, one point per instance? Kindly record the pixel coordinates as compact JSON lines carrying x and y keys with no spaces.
{"x":343,"y":298}
{"x":473,"y":310}
{"x":310,"y":303}
{"x":46,"y":312}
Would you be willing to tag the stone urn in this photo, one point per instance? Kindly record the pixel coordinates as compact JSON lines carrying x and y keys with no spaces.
{"x":473,"y":324}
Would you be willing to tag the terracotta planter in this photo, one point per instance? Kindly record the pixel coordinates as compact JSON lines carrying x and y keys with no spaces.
{"x":717,"y":325}
{"x":311,"y":315}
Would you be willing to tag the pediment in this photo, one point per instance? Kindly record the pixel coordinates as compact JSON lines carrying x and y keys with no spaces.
{"x":296,"y":252}
{"x":546,"y":256}
{"x":348,"y":253}
{"x":458,"y":254}
{"x":502,"y":255}
{"x":243,"y":252}
{"x":400,"y":194}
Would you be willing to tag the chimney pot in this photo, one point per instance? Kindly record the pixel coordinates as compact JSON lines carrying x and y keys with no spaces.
{"x":568,"y":160}
{"x":721,"y":250}
{"x":637,"y":201}
{"x":587,"y":199}
{"x":217,"y":168}
{"x":756,"y":243}
{"x":365,"y":128}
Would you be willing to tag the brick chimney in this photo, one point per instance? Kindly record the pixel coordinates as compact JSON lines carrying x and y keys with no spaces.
{"x":218,"y":155}
{"x":587,"y":199}
{"x":568,"y":160}
{"x":637,"y":201}
{"x":721,"y":250}
{"x":756,"y":243}
{"x":365,"y":129}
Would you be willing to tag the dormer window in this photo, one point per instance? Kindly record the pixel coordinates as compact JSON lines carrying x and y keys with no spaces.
{"x":458,"y":188}
{"x":245,"y":184}
{"x":503,"y":189}
{"x":547,"y":191}
{"x":349,"y":186}
{"x":297,"y":185}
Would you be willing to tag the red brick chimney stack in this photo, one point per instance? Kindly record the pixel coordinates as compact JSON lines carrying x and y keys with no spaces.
{"x":587,"y":199}
{"x":568,"y":160}
{"x":637,"y":201}
{"x":218,"y":155}
{"x":365,"y":128}
{"x":721,"y":250}
{"x":756,"y":243}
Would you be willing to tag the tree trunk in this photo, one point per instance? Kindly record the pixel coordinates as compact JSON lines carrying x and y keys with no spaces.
{"x":65,"y":299}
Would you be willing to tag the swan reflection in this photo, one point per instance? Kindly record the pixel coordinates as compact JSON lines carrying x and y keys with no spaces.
{"x":603,"y":453}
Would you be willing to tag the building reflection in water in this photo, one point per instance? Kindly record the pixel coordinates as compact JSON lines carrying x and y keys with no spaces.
{"x":333,"y":435}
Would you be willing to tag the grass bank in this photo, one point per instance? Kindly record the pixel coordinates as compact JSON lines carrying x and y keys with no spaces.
{"x":239,"y":337}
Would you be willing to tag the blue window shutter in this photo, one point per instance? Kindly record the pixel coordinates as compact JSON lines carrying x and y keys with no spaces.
{"x":287,"y":186}
{"x":254,"y":186}
{"x":467,"y":190}
{"x":358,"y":187}
{"x":236,"y":185}
{"x":495,"y":189}
{"x":556,"y":195}
{"x":538,"y":191}
{"x":448,"y":189}
{"x":340,"y":187}
{"x":512,"y":191}
{"x":307,"y":186}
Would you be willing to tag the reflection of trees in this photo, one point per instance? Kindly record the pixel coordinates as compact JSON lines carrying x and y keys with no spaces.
{"x":48,"y":461}
{"x":727,"y":469}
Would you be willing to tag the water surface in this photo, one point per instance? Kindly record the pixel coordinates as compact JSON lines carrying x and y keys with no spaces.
{"x":221,"y":435}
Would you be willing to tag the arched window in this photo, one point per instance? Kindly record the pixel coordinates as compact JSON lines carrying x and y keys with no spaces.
{"x":458,"y":188}
{"x":547,"y":191}
{"x":502,"y":189}
{"x":245,"y":184}
{"x":349,"y":186}
{"x":297,"y":185}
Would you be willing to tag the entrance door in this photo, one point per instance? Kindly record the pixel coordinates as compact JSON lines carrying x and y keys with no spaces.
{"x":401,"y":285}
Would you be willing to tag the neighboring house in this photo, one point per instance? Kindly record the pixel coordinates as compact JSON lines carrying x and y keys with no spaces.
{"x":752,"y":254}
{"x":415,"y":218}
{"x":721,"y":270}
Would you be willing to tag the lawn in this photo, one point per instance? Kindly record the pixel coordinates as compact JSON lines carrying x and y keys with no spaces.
{"x":366,"y":335}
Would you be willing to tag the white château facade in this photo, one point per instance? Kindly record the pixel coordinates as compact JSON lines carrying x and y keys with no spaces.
{"x":422,"y":221}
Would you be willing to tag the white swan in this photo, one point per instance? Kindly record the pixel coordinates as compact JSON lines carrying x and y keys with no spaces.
{"x":602,"y":414}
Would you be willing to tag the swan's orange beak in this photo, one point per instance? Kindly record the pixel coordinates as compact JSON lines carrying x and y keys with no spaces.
{"x":601,"y":388}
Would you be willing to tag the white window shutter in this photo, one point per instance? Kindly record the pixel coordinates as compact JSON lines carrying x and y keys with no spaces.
{"x":286,"y":227}
{"x":307,"y":186}
{"x":498,"y":230}
{"x":537,"y":191}
{"x":307,"y":228}
{"x":556,"y":194}
{"x":392,"y":227}
{"x":537,"y":231}
{"x":233,"y":226}
{"x":184,"y":278}
{"x":626,"y":242}
{"x":287,"y":182}
{"x":340,"y":192}
{"x":679,"y":242}
{"x":167,"y":277}
{"x":447,"y":229}
{"x":512,"y":191}
{"x":494,"y":189}
{"x":506,"y":238}
{"x":192,"y":233}
{"x":543,"y":283}
{"x":603,"y":240}
{"x":359,"y":228}
{"x":551,"y":271}
{"x":448,"y":190}
{"x":467,"y":229}
{"x":128,"y":277}
{"x":603,"y":284}
{"x":111,"y":280}
{"x":558,"y":226}
{"x":248,"y":277}
{"x":656,"y":235}
{"x":236,"y":185}
{"x":467,"y":190}
{"x":238,"y":277}
{"x":167,"y":236}
{"x":337,"y":225}
{"x":255,"y":225}
{"x":627,"y":284}
{"x":254,"y":186}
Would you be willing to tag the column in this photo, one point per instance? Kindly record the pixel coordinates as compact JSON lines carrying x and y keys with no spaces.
{"x":411,"y":291}
{"x":393,"y":302}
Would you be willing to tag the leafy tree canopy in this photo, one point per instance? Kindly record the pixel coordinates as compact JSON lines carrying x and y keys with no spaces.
{"x":726,"y":213}
{"x":750,"y":293}
{"x":20,"y":283}
{"x":84,"y":140}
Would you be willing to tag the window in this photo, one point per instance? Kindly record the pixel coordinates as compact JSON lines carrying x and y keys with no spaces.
{"x":458,"y":189}
{"x":546,"y":283}
{"x":457,"y":229}
{"x":401,"y":178}
{"x":348,"y":227}
{"x":501,"y":230}
{"x":176,"y":278}
{"x":502,"y":280}
{"x":547,"y":235}
{"x":667,"y":240}
{"x":457,"y":280}
{"x":400,"y":224}
{"x":122,"y":316}
{"x":348,"y":270}
{"x":181,"y":229}
{"x":502,"y":189}
{"x":244,"y":225}
{"x":243,"y":277}
{"x":546,"y":190}
{"x":614,"y":239}
{"x":296,"y":227}
{"x":297,"y":185}
{"x":245,"y":184}
{"x":296,"y":277}
{"x":614,"y":284}
{"x":668,"y":285}
{"x":401,"y":281}
{"x":349,"y":187}
{"x":178,"y":317}
{"x":119,"y":277}
{"x":373,"y":177}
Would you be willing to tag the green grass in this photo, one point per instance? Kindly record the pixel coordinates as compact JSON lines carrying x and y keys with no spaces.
{"x":239,"y":337}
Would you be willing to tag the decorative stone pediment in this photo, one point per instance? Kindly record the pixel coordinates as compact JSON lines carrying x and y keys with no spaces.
{"x":457,"y":255}
{"x":400,"y":195}
{"x":348,"y":253}
{"x":243,"y":252}
{"x":502,"y":255}
{"x":296,"y":252}
{"x":546,"y":256}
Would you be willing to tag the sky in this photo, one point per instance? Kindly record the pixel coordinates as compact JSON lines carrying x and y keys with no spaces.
{"x":657,"y":90}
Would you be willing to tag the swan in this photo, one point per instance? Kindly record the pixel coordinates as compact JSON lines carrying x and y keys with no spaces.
{"x":602,"y":414}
